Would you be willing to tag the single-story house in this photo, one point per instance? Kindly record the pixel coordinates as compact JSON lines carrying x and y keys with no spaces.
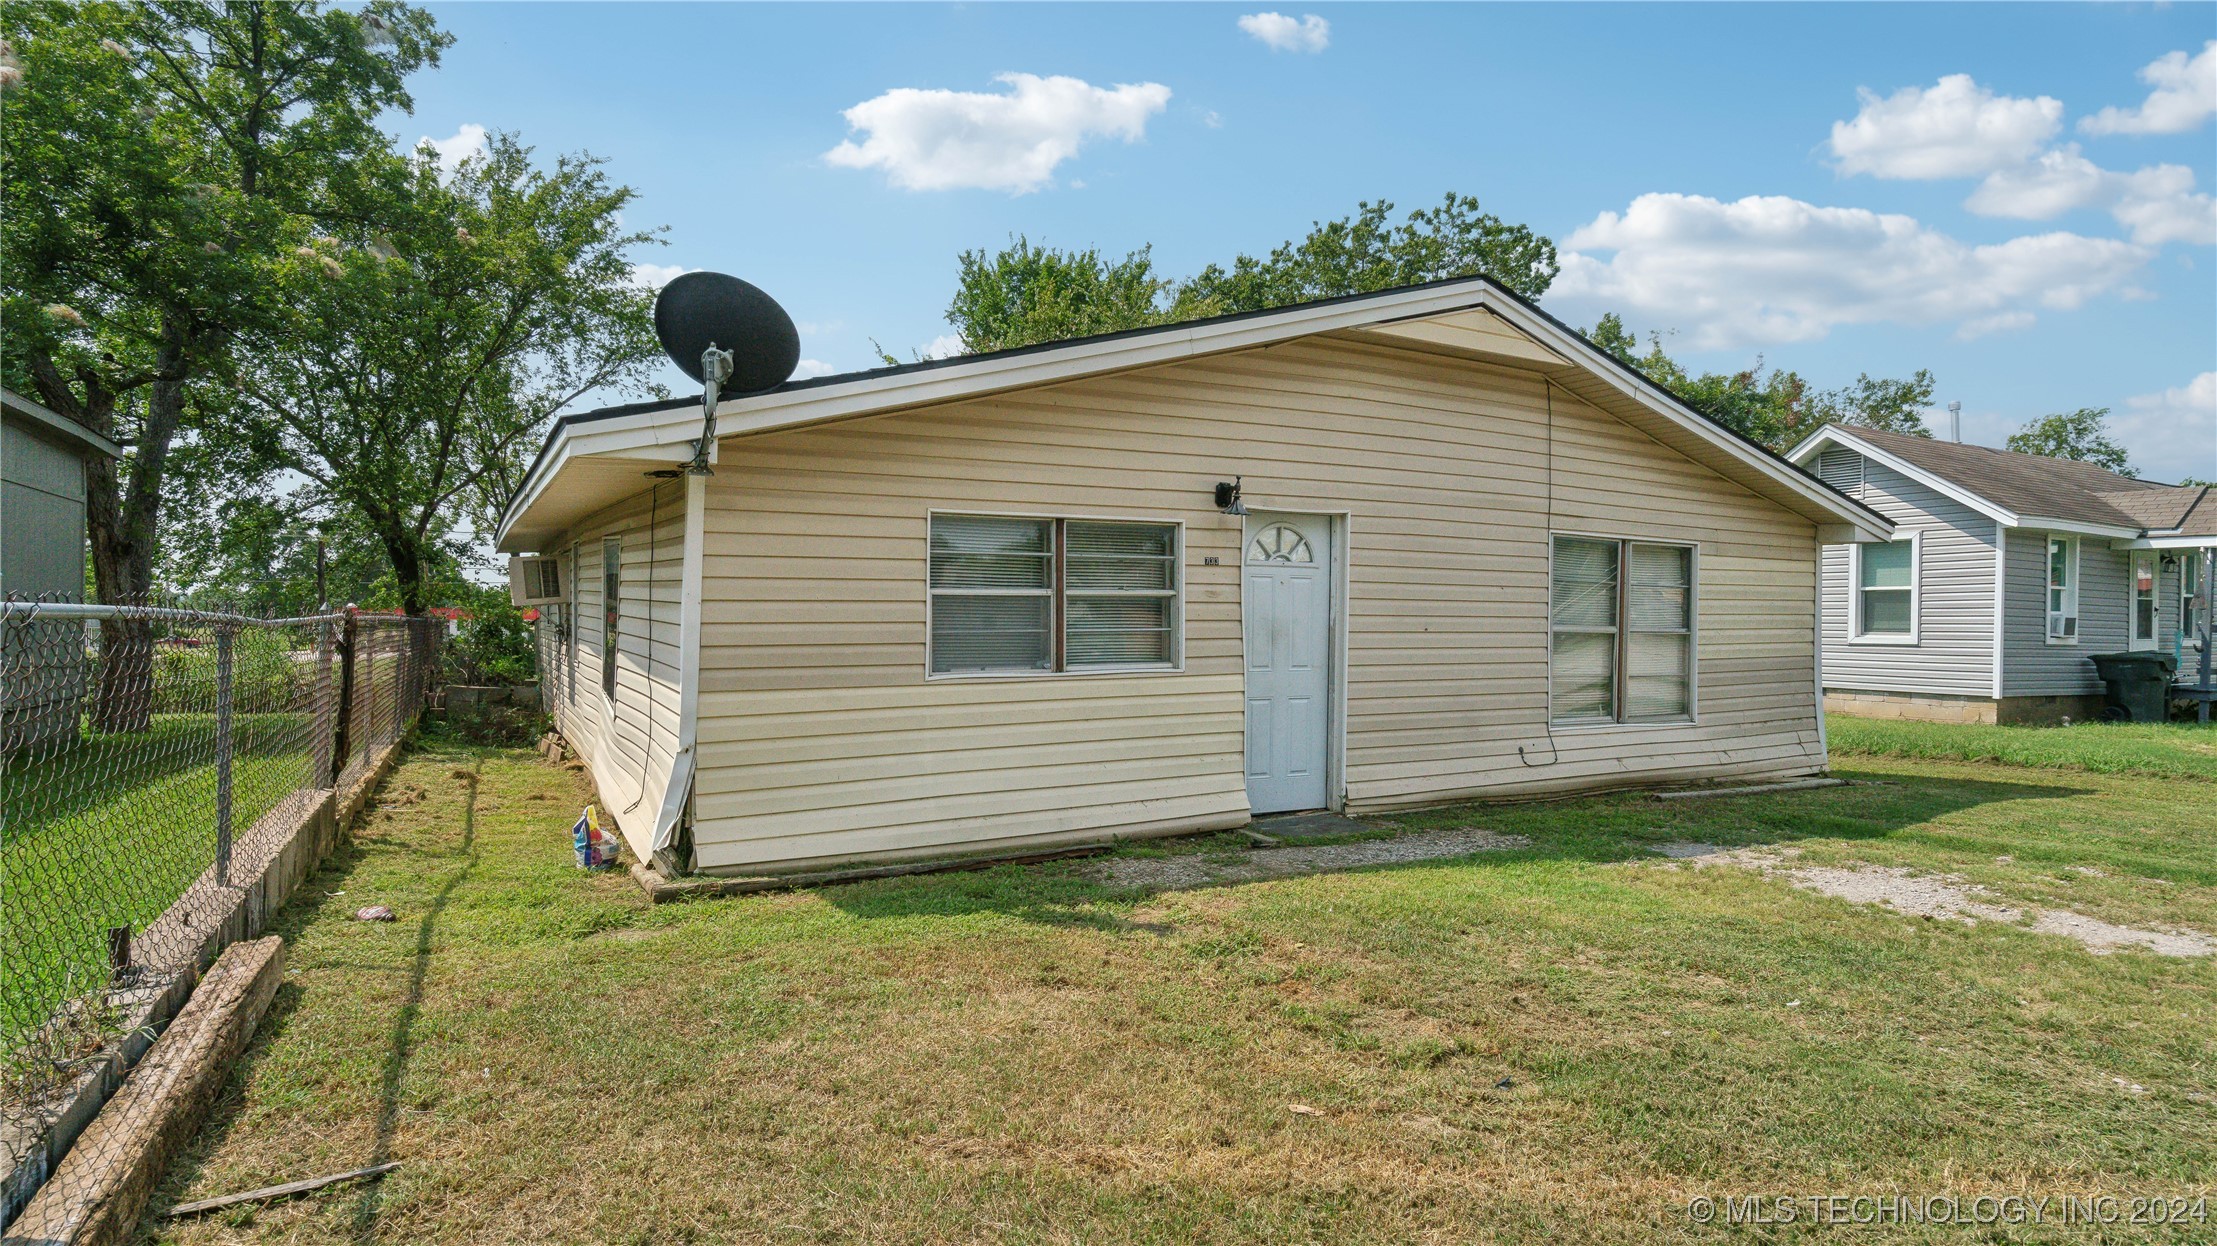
{"x":2005,"y":572}
{"x":1394,"y":549}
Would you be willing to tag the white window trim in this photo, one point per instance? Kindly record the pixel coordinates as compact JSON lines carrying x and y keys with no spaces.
{"x":2070,"y":591}
{"x":1557,"y":726}
{"x":1177,"y":600}
{"x":2134,"y":642}
{"x":1856,"y":634}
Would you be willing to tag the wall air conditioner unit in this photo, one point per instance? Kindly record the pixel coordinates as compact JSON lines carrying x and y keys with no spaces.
{"x":535,"y":580}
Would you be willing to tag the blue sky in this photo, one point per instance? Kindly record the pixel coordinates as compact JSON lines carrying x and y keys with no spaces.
{"x":1838,"y":189}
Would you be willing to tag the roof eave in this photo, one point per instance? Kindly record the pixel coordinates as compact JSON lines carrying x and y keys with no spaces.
{"x":651,"y":434}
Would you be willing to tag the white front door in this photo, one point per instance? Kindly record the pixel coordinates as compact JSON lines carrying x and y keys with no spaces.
{"x":1288,"y":611}
{"x":2141,"y":598}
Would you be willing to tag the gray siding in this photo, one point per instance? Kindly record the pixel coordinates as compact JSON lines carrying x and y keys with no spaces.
{"x":2030,"y":665}
{"x":1955,"y":634}
{"x":42,"y":515}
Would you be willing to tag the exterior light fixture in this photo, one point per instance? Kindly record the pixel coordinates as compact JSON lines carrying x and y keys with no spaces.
{"x":1227,"y":496}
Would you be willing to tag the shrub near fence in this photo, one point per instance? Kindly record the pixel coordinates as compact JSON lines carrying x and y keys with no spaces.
{"x":137,"y":747}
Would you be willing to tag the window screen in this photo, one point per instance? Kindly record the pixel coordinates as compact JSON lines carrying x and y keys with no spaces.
{"x":1658,"y":653}
{"x":1621,"y":631}
{"x":1017,"y":595}
{"x":1582,"y":681}
{"x":992,"y":594}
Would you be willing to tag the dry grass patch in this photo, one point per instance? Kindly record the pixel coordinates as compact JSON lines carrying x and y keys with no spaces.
{"x":1562,"y":1039}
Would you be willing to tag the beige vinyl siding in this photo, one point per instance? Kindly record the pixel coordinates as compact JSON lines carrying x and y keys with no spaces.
{"x":1954,"y":652}
{"x":821,"y":739}
{"x":628,"y":745}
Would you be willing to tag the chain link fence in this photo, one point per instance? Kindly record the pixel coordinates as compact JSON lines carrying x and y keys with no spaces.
{"x":151,"y":759}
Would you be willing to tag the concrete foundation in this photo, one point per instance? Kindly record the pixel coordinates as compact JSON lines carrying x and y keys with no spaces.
{"x":1919,"y":706}
{"x":1938,"y":708}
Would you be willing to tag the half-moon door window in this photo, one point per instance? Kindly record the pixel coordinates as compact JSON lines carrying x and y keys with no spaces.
{"x":1279,"y":543}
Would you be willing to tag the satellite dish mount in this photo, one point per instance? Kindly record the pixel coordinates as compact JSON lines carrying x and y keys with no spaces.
{"x":728,"y":335}
{"x":715,"y":370}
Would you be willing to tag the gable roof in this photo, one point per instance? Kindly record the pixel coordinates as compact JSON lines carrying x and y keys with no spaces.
{"x":2020,"y":490}
{"x":1470,"y":316}
{"x":58,"y":426}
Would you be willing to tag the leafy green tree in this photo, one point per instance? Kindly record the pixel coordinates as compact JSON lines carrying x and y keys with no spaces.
{"x":1025,"y":294}
{"x":1896,"y":406}
{"x":414,"y":367}
{"x":1772,"y":406}
{"x":2082,"y":435}
{"x":1359,"y":253}
{"x":1614,"y":339}
{"x":156,"y":162}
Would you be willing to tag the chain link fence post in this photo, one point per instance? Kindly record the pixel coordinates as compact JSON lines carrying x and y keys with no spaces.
{"x":226,"y":662}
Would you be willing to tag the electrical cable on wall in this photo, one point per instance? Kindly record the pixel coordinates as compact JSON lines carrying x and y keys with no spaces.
{"x":1547,"y":714}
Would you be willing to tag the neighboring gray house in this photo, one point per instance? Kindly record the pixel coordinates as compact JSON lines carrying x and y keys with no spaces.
{"x":2006,"y":572}
{"x":42,"y":498}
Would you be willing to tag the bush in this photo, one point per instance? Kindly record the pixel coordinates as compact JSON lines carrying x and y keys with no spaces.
{"x":494,"y":645}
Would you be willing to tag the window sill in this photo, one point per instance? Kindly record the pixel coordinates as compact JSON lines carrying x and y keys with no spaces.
{"x":1642,"y":724}
{"x":1897,"y":642}
{"x":2070,"y":641}
{"x":1091,"y":672}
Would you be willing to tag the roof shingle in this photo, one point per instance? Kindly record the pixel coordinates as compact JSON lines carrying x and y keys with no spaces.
{"x":2037,"y":486}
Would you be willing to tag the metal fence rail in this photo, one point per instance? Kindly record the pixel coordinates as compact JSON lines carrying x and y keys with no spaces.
{"x":138,"y":746}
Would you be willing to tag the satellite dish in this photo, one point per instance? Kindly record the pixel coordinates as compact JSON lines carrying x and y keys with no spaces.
{"x":699,"y":310}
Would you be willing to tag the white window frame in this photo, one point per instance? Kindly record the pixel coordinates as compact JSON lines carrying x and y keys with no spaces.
{"x":1623,"y":632}
{"x":1856,"y":634}
{"x":1058,"y":597}
{"x":2049,"y":614}
{"x":2133,"y":599}
{"x":2190,"y":599}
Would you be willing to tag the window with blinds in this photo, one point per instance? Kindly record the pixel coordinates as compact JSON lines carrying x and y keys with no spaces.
{"x":1016,"y":595}
{"x":1621,"y":631}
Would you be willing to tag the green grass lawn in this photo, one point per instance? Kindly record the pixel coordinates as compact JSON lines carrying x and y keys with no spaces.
{"x":110,"y":832}
{"x":1564,"y":1042}
{"x":2171,"y":750}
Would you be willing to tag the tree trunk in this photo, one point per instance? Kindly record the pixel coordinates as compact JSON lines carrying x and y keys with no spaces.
{"x":409,"y":568}
{"x":121,"y":517}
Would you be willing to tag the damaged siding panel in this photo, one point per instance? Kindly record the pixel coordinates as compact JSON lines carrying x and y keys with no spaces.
{"x":629,"y":745}
{"x":1954,"y":650}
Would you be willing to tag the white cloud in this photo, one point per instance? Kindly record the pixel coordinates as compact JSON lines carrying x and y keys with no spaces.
{"x":656,"y":276}
{"x":2173,"y":432}
{"x":1012,"y":141}
{"x":1280,"y":33}
{"x":1955,"y":128}
{"x":807,"y":368}
{"x":2185,"y":95}
{"x":945,"y":346}
{"x":2157,"y":204}
{"x":1960,"y":129}
{"x":465,"y":142}
{"x":1999,"y":322}
{"x":1773,"y":269}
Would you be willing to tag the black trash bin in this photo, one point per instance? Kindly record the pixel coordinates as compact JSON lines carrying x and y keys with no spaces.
{"x":2138,"y":685}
